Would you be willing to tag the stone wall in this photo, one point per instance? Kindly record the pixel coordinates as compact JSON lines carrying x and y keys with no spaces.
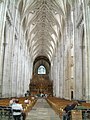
{"x":70,"y":66}
{"x":15,"y":60}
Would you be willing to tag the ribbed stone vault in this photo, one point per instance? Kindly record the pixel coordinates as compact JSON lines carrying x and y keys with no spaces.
{"x":42,"y":21}
{"x":52,"y":34}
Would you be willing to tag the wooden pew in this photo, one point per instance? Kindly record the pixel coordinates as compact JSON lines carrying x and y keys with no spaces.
{"x":4,"y":103}
{"x":59,"y":104}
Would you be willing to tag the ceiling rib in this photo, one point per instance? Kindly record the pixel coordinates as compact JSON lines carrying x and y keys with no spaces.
{"x":41,"y":25}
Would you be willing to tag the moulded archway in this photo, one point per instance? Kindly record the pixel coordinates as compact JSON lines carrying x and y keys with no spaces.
{"x":41,"y":60}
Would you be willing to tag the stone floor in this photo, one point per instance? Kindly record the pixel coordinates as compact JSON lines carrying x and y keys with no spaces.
{"x":42,"y":111}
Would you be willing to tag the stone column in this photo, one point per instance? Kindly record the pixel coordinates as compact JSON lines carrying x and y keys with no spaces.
{"x":24,"y":69}
{"x":19,"y":68}
{"x":61,"y":81}
{"x":3,"y":9}
{"x":57,"y":71}
{"x":54,"y":75}
{"x":77,"y":53}
{"x":86,"y":11}
{"x":6,"y":88}
{"x":14,"y":48}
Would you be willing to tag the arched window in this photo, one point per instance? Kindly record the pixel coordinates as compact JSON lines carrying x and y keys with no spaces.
{"x":41,"y":70}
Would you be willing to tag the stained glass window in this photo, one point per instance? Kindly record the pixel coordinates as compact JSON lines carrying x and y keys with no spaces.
{"x":41,"y":70}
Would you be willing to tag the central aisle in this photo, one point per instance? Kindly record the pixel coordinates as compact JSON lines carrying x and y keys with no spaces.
{"x":42,"y":111}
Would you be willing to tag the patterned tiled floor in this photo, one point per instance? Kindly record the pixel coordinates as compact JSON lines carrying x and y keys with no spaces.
{"x":42,"y":111}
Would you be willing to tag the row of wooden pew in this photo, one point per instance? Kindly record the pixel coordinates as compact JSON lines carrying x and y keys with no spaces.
{"x":59,"y":104}
{"x":5,"y":110}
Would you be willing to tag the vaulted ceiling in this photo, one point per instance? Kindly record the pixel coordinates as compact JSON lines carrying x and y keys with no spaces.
{"x":42,"y":21}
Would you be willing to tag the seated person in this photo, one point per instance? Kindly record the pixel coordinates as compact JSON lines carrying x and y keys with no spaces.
{"x":17,"y":110}
{"x":32,"y":98}
{"x":26,"y":101}
{"x":12,"y":101}
{"x":67,"y":109}
{"x":79,"y":106}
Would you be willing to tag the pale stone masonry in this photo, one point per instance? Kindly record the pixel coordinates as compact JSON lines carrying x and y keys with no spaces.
{"x":15,"y":61}
{"x":58,"y":30}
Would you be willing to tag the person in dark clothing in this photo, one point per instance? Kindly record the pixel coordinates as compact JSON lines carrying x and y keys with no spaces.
{"x":23,"y":115}
{"x":67,"y":109}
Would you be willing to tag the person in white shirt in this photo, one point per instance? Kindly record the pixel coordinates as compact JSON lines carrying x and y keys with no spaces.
{"x":27,"y":101}
{"x":17,"y":110}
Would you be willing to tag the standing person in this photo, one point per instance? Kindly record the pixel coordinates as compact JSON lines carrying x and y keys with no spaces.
{"x":17,"y":110}
{"x":25,"y":94}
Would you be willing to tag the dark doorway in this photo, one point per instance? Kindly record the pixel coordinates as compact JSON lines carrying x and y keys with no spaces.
{"x":71,"y":95}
